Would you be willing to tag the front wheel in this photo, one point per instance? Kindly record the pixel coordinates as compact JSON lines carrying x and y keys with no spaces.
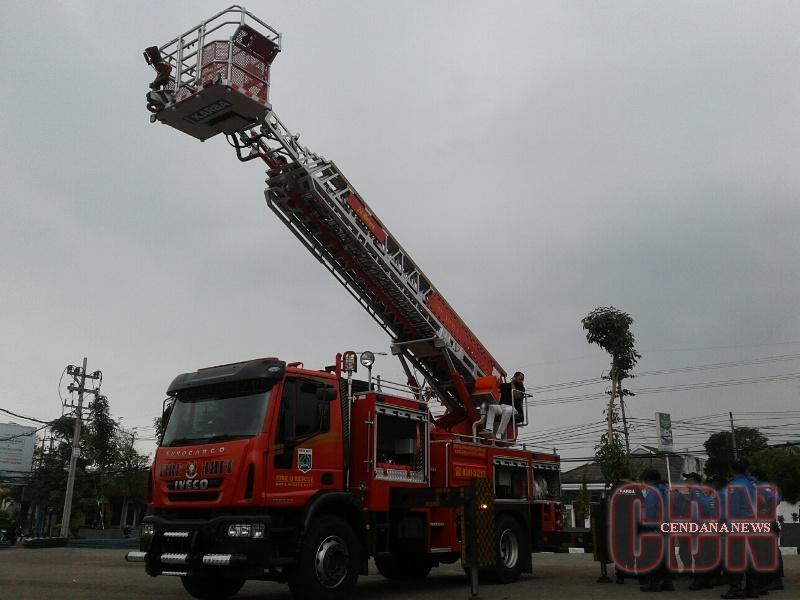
{"x":208,"y":588}
{"x":327,"y":565}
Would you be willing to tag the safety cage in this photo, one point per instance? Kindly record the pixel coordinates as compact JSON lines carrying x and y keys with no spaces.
{"x":214,"y":78}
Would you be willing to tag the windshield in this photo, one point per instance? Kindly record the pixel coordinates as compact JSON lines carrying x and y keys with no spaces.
{"x":202,"y":419}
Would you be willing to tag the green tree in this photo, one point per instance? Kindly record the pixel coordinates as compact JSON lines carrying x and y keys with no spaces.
{"x":108,"y":464}
{"x":612,"y":458}
{"x":102,"y":450}
{"x":129,"y":478}
{"x":609,"y":328}
{"x":719,"y":447}
{"x":100,"y":439}
{"x":48,"y":482}
{"x":780,"y":466}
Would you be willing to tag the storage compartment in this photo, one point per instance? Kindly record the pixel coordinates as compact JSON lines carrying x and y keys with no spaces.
{"x":401,"y":444}
{"x":510,"y":479}
{"x":546,"y":481}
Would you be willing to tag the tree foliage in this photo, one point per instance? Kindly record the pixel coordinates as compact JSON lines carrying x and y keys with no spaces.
{"x":612,"y":458}
{"x":780,"y":466}
{"x":719,"y":447}
{"x":610,"y":328}
{"x":108,"y":464}
{"x":100,"y":439}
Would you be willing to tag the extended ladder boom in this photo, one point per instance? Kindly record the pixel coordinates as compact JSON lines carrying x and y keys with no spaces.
{"x":316,"y":201}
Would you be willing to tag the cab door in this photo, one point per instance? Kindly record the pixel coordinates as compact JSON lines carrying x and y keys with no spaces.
{"x":307,"y":454}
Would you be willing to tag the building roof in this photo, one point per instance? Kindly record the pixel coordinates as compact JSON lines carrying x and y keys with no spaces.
{"x":590,"y":472}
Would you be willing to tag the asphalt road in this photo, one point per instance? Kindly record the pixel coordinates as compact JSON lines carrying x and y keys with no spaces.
{"x":83,"y":574}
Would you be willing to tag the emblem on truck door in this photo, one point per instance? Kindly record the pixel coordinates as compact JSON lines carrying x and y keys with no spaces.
{"x":304,"y":459}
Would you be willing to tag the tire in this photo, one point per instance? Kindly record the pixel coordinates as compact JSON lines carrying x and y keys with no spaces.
{"x":404,"y":567}
{"x":327,"y":564}
{"x":509,"y":545}
{"x":211,"y":588}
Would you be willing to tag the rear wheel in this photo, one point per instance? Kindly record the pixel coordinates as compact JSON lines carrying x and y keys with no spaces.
{"x":208,"y":588}
{"x":508,"y":550}
{"x":404,"y":567}
{"x":327,"y":565}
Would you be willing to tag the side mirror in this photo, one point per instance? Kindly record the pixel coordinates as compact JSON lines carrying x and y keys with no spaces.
{"x":326,"y":394}
{"x":166,"y":412}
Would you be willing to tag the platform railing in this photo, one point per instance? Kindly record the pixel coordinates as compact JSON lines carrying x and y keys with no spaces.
{"x":185,"y":53}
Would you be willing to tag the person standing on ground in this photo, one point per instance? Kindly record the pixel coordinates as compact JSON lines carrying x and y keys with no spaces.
{"x":623,"y":497}
{"x":656,"y":507}
{"x":740,"y":497}
{"x":703,"y":509}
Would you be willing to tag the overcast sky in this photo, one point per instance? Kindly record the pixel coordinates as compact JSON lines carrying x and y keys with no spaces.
{"x":537,"y":159}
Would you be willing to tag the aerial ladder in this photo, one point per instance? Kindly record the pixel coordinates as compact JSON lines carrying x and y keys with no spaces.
{"x":215,"y":79}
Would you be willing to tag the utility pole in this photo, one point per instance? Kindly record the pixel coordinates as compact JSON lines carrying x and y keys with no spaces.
{"x":611,"y":404}
{"x":625,"y":425}
{"x":733,"y":437}
{"x":78,"y":374}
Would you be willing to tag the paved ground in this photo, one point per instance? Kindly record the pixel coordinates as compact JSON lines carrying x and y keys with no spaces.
{"x":101,"y":574}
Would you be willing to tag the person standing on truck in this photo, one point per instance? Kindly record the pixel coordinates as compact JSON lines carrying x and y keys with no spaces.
{"x":512,"y":394}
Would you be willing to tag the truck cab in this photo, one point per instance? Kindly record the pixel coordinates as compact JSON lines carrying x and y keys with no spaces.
{"x":245,"y":448}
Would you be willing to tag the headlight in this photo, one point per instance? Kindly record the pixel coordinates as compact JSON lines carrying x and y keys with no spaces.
{"x":255,"y":530}
{"x":148,"y":529}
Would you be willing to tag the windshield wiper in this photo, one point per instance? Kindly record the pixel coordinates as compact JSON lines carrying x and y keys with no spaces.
{"x":228,"y":436}
{"x":186,"y":441}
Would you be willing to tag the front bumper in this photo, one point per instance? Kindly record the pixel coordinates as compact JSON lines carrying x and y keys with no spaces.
{"x":187,"y":547}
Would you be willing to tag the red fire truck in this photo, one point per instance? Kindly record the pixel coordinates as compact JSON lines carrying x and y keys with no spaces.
{"x":271,"y":471}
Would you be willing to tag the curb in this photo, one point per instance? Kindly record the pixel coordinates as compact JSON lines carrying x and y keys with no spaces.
{"x":45,"y":542}
{"x":110,"y":544}
{"x":123,"y":544}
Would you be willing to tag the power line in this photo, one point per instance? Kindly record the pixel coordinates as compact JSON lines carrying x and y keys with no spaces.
{"x":19,"y":416}
{"x":29,"y":433}
{"x":725,"y":347}
{"x":672,"y":388}
{"x":725,"y":365}
{"x":759,"y":361}
{"x":665,"y":350}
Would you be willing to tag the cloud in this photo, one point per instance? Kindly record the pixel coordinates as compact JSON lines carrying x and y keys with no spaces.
{"x":536,"y":160}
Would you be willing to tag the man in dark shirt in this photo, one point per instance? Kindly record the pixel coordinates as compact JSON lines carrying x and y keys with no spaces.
{"x":512,"y":395}
{"x":656,"y":508}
